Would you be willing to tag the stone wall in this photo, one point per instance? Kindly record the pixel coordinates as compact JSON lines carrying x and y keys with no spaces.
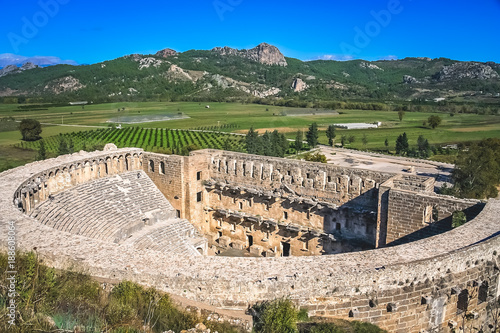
{"x":414,"y":287}
{"x":412,"y":215}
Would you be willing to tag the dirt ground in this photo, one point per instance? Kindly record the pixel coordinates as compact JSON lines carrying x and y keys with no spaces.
{"x":384,"y":163}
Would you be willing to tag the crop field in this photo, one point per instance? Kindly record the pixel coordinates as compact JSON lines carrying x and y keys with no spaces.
{"x":232,"y":117}
{"x":149,"y":139}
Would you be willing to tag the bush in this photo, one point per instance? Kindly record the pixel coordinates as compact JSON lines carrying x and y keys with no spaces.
{"x":458,"y":218}
{"x":303,"y":315}
{"x":279,"y":316}
{"x":317,"y":157}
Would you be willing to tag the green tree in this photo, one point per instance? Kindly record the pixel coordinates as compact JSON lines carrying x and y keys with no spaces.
{"x":251,"y":141}
{"x":71,"y":146}
{"x":402,"y":145}
{"x":351,"y":139}
{"x":299,"y":141}
{"x":62,"y":148}
{"x":386,"y":143}
{"x":343,"y":140}
{"x":401,"y":115}
{"x":279,"y":316}
{"x":423,"y":146}
{"x":30,"y":129}
{"x":312,"y":135}
{"x":434,"y":121}
{"x":330,"y":134}
{"x":42,"y":152}
{"x":477,"y":170}
{"x":364,"y":140}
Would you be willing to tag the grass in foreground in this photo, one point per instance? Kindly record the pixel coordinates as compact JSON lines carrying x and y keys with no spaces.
{"x":50,"y":300}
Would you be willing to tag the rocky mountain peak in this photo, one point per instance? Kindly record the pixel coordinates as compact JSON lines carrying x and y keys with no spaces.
{"x":28,"y":65}
{"x":469,"y":70}
{"x":166,"y":53}
{"x":263,"y":53}
{"x":13,"y":69}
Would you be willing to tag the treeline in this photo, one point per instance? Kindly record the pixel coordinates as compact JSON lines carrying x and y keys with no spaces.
{"x":232,"y":96}
{"x":268,"y":144}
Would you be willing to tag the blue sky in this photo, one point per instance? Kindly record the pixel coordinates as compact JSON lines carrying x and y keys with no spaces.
{"x":92,"y":31}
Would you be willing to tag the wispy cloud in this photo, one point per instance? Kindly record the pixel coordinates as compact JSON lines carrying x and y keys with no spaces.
{"x":14,"y":59}
{"x":336,"y":57}
{"x":389,"y":57}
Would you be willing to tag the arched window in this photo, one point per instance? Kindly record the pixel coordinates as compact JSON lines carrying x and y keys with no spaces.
{"x":162,"y":168}
{"x":126,"y":162}
{"x":151,"y":166}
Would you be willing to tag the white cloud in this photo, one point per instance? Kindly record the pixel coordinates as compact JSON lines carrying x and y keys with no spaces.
{"x":14,"y":59}
{"x":336,"y":57}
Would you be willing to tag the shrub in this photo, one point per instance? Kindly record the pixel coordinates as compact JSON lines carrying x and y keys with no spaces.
{"x":279,"y":316}
{"x":317,"y":157}
{"x":458,"y":218}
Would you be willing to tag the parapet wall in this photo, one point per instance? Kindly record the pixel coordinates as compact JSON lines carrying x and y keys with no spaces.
{"x":427,"y":285}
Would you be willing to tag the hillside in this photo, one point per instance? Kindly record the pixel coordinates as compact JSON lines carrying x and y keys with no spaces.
{"x":261,"y":72}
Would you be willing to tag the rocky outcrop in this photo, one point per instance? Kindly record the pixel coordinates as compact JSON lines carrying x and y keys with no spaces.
{"x":64,"y":84}
{"x":408,"y":79}
{"x":467,"y":70}
{"x":299,"y":85}
{"x":369,"y":66}
{"x":263,"y":53}
{"x":255,"y":89}
{"x":177,"y":73}
{"x":28,"y":65}
{"x":13,"y":69}
{"x":9,"y":69}
{"x":165,"y":53}
{"x":266,"y":92}
{"x":148,"y":62}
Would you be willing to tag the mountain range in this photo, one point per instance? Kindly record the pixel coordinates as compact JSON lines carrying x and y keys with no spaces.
{"x":263,"y":72}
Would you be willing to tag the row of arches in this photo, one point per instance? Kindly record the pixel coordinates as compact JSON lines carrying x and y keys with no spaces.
{"x":41,"y":186}
{"x":152,"y":168}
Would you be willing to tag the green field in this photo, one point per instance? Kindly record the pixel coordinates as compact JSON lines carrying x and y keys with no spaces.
{"x":240,"y":117}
